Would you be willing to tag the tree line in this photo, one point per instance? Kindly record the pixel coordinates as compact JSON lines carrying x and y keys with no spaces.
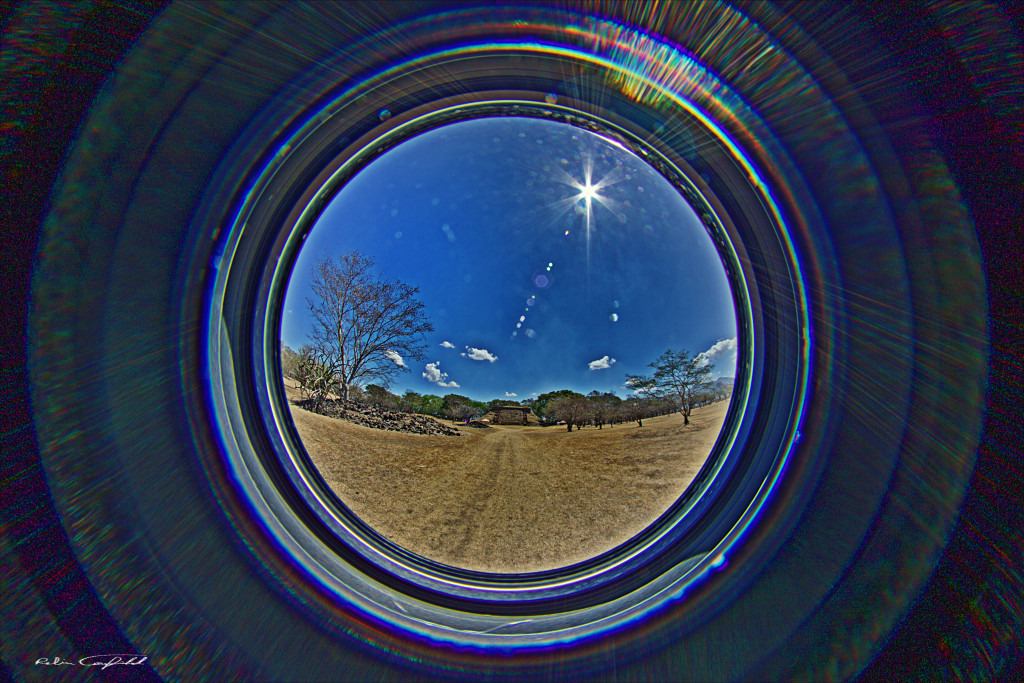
{"x":678,"y":383}
{"x":366,"y":327}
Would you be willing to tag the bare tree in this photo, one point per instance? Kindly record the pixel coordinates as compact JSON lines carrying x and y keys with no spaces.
{"x":602,"y":407}
{"x":636,"y":409}
{"x":681,"y":378}
{"x":289,"y":361}
{"x":365,"y":327}
{"x":573,"y":409}
{"x":462,"y":412}
{"x":639,"y":406}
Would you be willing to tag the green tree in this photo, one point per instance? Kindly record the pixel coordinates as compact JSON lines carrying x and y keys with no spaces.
{"x":540,"y":404}
{"x":381,"y":397}
{"x":426,"y":404}
{"x":411,"y":400}
{"x":495,"y":402}
{"x":459,"y":407}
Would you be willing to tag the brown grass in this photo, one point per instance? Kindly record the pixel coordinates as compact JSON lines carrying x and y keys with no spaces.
{"x":511,"y":499}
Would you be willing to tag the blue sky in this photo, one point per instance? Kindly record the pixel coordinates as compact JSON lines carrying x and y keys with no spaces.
{"x":534,"y":278}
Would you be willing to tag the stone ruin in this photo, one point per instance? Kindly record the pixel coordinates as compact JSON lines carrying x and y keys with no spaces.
{"x":380,"y":418}
{"x":511,"y":415}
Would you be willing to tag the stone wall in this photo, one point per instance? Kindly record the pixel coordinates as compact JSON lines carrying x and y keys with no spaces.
{"x":510,"y":416}
{"x":379,"y":418}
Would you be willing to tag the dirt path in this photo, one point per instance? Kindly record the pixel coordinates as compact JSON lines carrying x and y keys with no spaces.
{"x":511,"y":499}
{"x":479,"y":488}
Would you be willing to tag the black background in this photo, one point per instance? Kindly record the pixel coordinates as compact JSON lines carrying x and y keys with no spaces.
{"x":56,"y":58}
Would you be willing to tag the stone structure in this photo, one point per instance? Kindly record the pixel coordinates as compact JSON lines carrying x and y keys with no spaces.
{"x":511,"y":415}
{"x":378,"y":418}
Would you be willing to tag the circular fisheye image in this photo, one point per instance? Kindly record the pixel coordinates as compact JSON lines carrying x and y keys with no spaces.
{"x":508,"y":344}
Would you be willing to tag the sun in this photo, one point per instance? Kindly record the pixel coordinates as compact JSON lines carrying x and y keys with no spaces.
{"x":588,"y":192}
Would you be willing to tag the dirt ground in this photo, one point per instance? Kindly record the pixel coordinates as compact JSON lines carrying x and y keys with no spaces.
{"x":511,"y":499}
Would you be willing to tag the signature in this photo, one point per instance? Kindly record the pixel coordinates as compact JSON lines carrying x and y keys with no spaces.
{"x":102,"y":661}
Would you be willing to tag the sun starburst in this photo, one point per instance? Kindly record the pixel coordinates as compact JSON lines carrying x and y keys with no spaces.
{"x":589,"y":191}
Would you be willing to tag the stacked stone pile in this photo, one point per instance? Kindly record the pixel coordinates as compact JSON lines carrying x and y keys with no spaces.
{"x":379,"y":418}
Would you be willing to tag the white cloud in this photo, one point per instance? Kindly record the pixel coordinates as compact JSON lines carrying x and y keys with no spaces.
{"x":719,"y":349}
{"x":434,"y":374}
{"x":639,"y":388}
{"x":479,"y":354}
{"x":510,"y":394}
{"x":601,"y":363}
{"x":447,"y":345}
{"x":395,"y":358}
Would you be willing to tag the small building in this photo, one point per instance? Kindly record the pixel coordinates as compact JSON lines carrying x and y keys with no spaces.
{"x":511,"y":415}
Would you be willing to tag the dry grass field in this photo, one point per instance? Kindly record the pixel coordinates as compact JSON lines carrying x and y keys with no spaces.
{"x":511,"y":499}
